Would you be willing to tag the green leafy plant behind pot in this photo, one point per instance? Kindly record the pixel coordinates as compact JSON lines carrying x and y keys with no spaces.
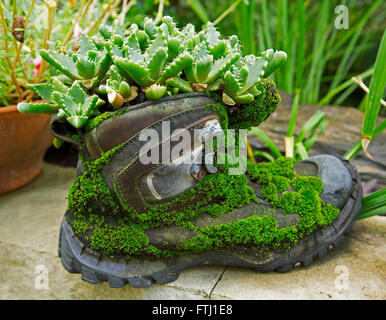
{"x":121,"y":66}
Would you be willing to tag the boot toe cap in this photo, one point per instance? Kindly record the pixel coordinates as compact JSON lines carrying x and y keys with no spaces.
{"x":336,"y":178}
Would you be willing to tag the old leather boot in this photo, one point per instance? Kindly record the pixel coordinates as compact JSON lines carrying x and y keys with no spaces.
{"x":134,"y":222}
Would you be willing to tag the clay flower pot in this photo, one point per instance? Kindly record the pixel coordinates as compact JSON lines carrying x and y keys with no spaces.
{"x":24,"y":138}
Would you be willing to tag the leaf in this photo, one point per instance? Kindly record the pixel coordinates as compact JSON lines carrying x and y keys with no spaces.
{"x":203,"y":67}
{"x":180,"y":63}
{"x":221,"y":65}
{"x":254,"y":70}
{"x":44,"y":91}
{"x":179,"y":83}
{"x":376,"y":90}
{"x":156,"y":63}
{"x":63,"y":63}
{"x":138,"y":73}
{"x":232,"y":86}
{"x":77,"y":94}
{"x":86,"y":45}
{"x":37,"y":108}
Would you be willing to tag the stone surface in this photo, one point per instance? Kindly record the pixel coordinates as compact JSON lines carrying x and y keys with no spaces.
{"x":29,"y":227}
{"x":354,"y":270}
{"x":342,"y":132}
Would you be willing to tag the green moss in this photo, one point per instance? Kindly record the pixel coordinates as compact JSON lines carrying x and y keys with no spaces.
{"x":246,"y":116}
{"x":251,"y":115}
{"x":251,"y":232}
{"x":215,"y":195}
{"x":90,"y":192}
{"x":124,"y":239}
{"x":314,"y":183}
{"x":111,"y":226}
{"x":94,"y":122}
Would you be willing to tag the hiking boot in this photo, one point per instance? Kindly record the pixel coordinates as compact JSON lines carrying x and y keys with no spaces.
{"x":130,"y":220}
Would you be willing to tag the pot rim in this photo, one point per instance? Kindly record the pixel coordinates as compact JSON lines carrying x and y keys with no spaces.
{"x":8,"y":109}
{"x":13,"y":108}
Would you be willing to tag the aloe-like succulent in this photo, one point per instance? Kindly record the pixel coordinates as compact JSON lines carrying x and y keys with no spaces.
{"x":117,"y":89}
{"x":211,"y":58}
{"x":159,"y":59}
{"x":89,"y":64}
{"x":144,"y":57}
{"x":76,"y":106}
{"x":45,"y":91}
{"x":240,"y":80}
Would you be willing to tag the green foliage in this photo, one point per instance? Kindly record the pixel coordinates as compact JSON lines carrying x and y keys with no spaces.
{"x":159,"y":60}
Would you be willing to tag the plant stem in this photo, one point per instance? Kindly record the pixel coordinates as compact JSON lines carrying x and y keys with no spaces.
{"x":160,"y":12}
{"x":18,"y":49}
{"x":108,"y":14}
{"x":51,"y":6}
{"x":125,"y":9}
{"x":343,"y":86}
{"x":71,"y":31}
{"x":226,"y":12}
{"x":14,"y":80}
{"x":96,"y":23}
{"x":250,"y":150}
{"x":359,"y":82}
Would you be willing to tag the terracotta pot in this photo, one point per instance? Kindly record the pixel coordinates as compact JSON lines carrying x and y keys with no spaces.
{"x":24,"y":138}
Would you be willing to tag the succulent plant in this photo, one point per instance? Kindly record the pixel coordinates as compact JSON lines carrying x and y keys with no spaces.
{"x":117,"y":89}
{"x":158,"y":60}
{"x":144,"y":58}
{"x":73,"y":103}
{"x":89,"y":64}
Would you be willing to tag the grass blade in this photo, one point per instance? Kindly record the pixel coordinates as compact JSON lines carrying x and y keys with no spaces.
{"x":343,"y":66}
{"x":352,"y":153}
{"x":267,"y":141}
{"x":373,"y":204}
{"x":289,"y":138}
{"x":327,"y":98}
{"x":301,"y":151}
{"x":310,"y":125}
{"x":264,"y":155}
{"x":199,"y":9}
{"x":376,"y":90}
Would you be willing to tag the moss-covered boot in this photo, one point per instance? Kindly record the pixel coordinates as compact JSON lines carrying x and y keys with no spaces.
{"x":134,"y":222}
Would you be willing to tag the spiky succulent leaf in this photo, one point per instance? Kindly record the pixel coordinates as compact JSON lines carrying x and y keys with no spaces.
{"x":62,"y":62}
{"x":203,"y":68}
{"x":221,"y":65}
{"x":274,"y":62}
{"x":86,"y":44}
{"x":232,"y":85}
{"x":150,"y":28}
{"x":156,"y":63}
{"x":77,"y":93}
{"x":43,"y":90}
{"x":252,"y":71}
{"x":155,"y":92}
{"x":181,"y":62}
{"x":180,"y":84}
{"x":40,"y":107}
{"x":86,"y":68}
{"x":137,"y":72}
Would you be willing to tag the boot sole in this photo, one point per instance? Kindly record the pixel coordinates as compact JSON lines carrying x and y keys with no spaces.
{"x":140,"y":273}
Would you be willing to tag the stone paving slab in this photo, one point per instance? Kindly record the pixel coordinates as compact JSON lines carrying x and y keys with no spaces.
{"x":29,"y":228}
